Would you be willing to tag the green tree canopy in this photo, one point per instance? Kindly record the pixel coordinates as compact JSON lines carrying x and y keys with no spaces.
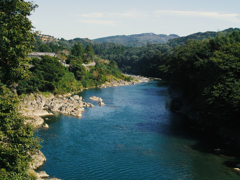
{"x":89,"y":50}
{"x":77,"y":50}
{"x":45,"y":48}
{"x":48,"y":71}
{"x":16,"y":138}
{"x":78,"y":69}
{"x":207,"y":73}
{"x":16,"y":37}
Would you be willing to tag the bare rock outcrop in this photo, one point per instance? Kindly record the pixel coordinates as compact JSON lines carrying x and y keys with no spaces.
{"x":101,"y":103}
{"x":45,"y":125}
{"x":94,"y":98}
{"x":38,"y":160}
{"x":114,"y":83}
{"x":43,"y":174}
{"x":36,"y":121}
{"x":73,"y":106}
{"x":40,"y":175}
{"x":37,"y":105}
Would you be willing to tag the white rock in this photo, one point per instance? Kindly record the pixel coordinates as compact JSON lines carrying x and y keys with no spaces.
{"x":43,"y":174}
{"x":38,"y":160}
{"x":45,"y":125}
{"x":101,"y":103}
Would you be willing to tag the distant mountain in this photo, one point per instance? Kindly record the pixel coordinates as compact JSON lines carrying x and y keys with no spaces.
{"x":199,"y":36}
{"x":138,"y":40}
{"x":66,"y":43}
{"x":71,"y":42}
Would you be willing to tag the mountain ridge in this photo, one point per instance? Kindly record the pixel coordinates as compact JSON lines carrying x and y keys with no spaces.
{"x":137,"y":40}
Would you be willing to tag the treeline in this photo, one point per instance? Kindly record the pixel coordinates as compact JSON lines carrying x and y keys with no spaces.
{"x":138,"y":40}
{"x":208,"y":74}
{"x":55,"y":45}
{"x":199,"y":36}
{"x":48,"y":74}
{"x":135,"y":60}
{"x":146,"y":59}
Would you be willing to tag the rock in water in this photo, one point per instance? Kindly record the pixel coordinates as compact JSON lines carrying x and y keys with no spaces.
{"x":101,"y":103}
{"x":94,"y":98}
{"x":38,"y":160}
{"x":43,"y":174}
{"x":45,"y":125}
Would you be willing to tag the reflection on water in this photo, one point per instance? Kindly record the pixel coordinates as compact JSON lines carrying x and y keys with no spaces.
{"x":134,"y":136}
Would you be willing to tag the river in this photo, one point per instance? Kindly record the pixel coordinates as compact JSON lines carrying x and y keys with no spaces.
{"x":134,"y":137}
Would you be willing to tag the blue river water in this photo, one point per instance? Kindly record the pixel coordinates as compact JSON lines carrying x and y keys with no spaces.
{"x":133,"y":137}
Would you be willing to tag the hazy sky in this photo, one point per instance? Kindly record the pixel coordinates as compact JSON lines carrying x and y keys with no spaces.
{"x":91,"y":19}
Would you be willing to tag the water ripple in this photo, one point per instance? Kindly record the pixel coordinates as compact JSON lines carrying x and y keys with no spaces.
{"x":133,"y":137}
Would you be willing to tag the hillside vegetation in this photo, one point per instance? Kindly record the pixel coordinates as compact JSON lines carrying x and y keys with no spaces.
{"x":138,"y":40}
{"x":135,"y":60}
{"x":198,"y":36}
{"x":49,"y":75}
{"x":207,"y":72}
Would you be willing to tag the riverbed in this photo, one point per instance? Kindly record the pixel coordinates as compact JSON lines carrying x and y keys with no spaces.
{"x":134,"y":136}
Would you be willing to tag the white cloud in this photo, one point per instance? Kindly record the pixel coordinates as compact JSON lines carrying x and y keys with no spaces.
{"x":226,"y":17}
{"x":99,"y":22}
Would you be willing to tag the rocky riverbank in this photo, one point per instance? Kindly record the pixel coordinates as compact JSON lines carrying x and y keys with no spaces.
{"x":34,"y":106}
{"x":115,"y":83}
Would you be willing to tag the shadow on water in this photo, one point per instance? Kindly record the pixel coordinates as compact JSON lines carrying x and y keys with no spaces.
{"x":206,"y":142}
{"x":52,"y":119}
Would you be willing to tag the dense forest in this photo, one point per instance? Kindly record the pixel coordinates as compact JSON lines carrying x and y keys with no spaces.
{"x":48,"y":74}
{"x":17,"y":140}
{"x":207,"y":72}
{"x":133,"y":59}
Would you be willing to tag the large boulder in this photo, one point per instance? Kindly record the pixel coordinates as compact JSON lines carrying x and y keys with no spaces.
{"x":101,"y":103}
{"x":36,"y":121}
{"x":38,"y":160}
{"x":43,"y":174}
{"x":76,"y":113}
{"x":45,"y":125}
{"x":94,"y":98}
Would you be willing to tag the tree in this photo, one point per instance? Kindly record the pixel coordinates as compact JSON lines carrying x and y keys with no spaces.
{"x":45,"y":48}
{"x":48,"y":71}
{"x":77,"y":50}
{"x":17,"y":140}
{"x":79,"y":70}
{"x":16,"y":37}
{"x":89,"y":50}
{"x":207,"y":74}
{"x":53,"y":45}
